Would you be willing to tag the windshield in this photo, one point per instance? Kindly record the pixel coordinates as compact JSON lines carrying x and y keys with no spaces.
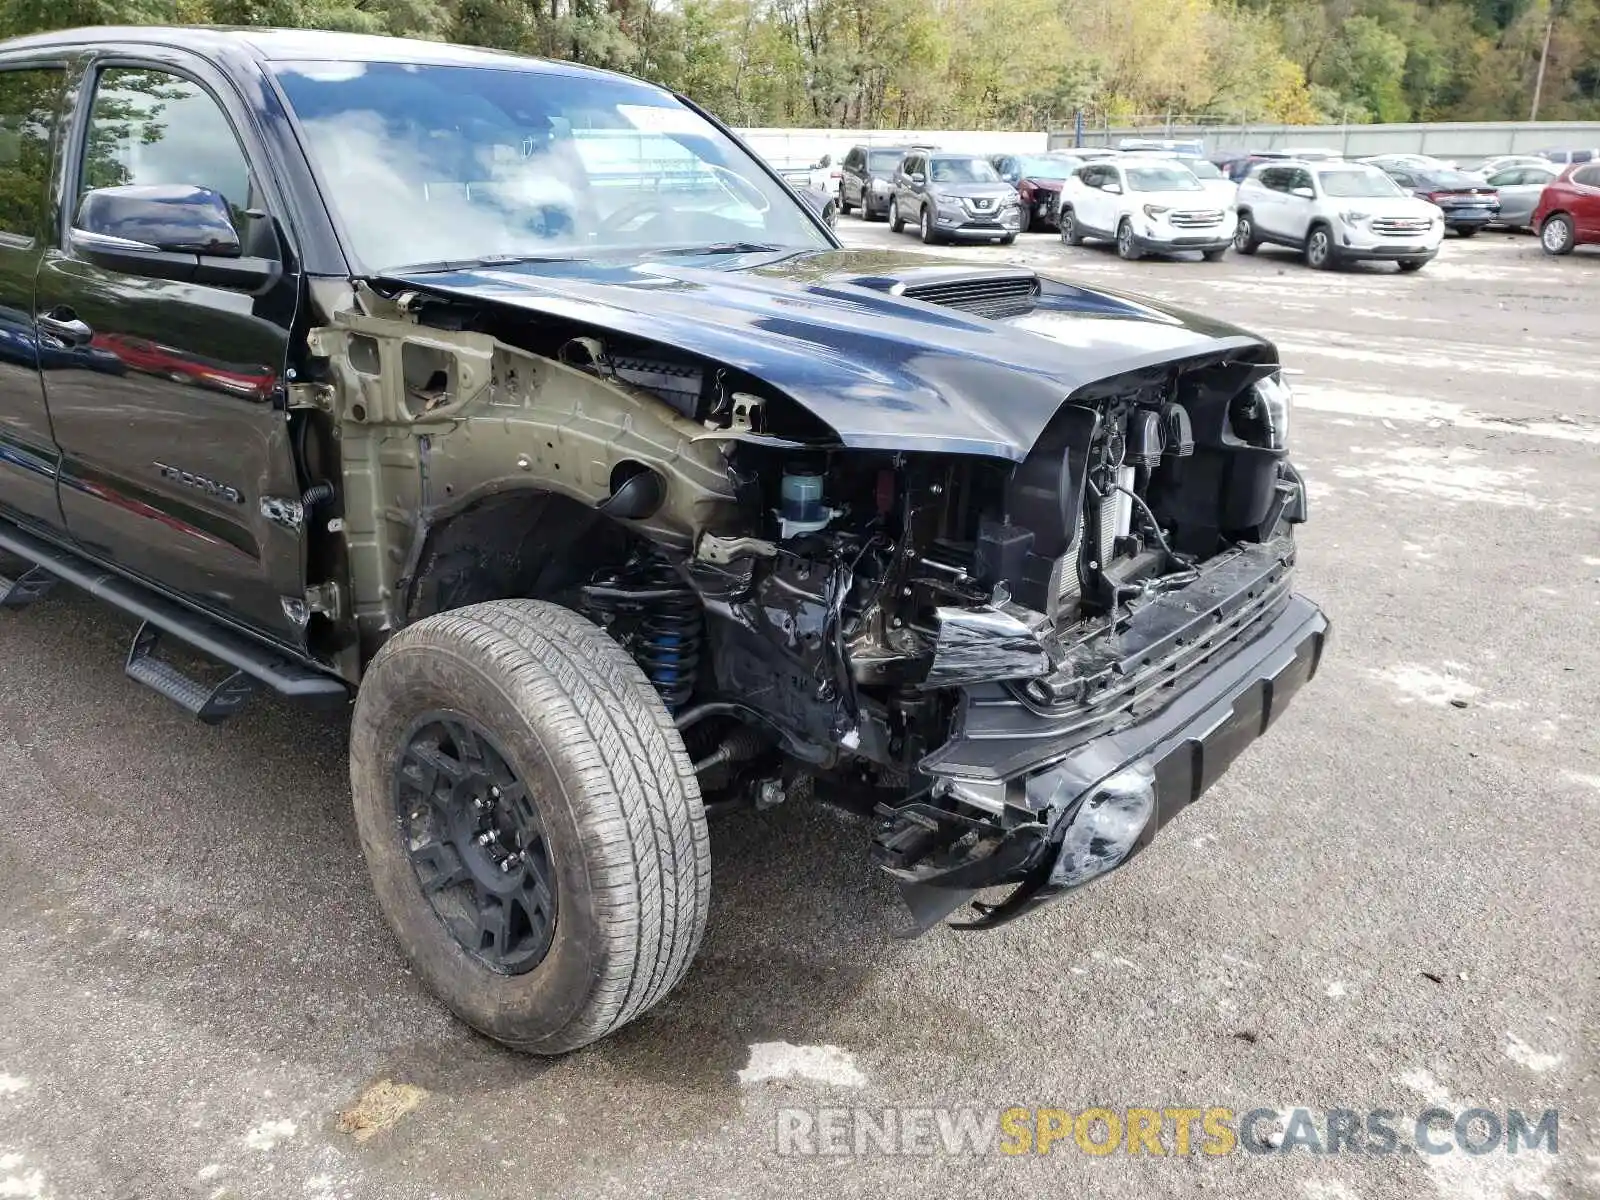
{"x":1162,"y":179}
{"x":962,"y":170}
{"x":1049,"y":168}
{"x":446,"y":163}
{"x":1356,"y":183}
{"x":1202,"y":169}
{"x":884,"y":160}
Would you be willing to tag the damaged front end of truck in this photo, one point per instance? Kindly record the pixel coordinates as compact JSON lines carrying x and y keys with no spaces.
{"x":1008,"y":561}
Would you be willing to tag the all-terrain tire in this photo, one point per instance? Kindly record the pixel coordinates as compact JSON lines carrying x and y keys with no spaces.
{"x":580,"y":725}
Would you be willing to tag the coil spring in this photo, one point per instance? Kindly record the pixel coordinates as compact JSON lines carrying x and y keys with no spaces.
{"x":669,"y":637}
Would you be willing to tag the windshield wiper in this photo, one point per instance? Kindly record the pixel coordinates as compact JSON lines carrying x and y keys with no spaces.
{"x":487,"y":260}
{"x":724,"y":248}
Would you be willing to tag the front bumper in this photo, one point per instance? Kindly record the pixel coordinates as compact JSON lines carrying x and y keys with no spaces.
{"x":1000,"y":225}
{"x":1172,"y":243}
{"x":1387,"y":253}
{"x":1184,"y":746}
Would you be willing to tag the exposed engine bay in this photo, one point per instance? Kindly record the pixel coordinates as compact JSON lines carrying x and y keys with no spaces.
{"x":857,"y":594}
{"x":924,"y":630}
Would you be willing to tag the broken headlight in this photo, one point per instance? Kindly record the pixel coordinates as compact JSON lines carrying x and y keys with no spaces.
{"x":1259,"y":415}
{"x":1107,"y":826}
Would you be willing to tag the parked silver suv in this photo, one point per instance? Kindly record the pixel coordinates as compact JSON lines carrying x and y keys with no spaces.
{"x":954,"y":196}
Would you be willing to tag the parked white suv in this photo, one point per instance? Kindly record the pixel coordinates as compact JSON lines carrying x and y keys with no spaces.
{"x":1146,"y":206}
{"x":1336,"y":212}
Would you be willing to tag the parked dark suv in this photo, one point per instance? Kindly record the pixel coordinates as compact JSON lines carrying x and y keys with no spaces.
{"x":613,"y":490}
{"x":867,"y":182}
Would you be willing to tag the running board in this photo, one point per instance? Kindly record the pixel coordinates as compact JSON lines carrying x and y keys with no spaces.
{"x":210,"y":704}
{"x":22,"y":591}
{"x":278,"y":669}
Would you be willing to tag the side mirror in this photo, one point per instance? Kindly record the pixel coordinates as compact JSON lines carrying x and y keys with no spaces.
{"x":1304,"y":193}
{"x":917,"y":177}
{"x":178,"y":219}
{"x":1114,"y":188}
{"x":168,"y":231}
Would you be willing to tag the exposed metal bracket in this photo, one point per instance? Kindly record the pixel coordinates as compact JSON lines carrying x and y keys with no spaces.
{"x":312,"y":395}
{"x":325,"y":598}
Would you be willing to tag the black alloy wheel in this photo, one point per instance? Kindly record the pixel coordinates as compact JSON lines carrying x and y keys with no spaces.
{"x":477,"y":843}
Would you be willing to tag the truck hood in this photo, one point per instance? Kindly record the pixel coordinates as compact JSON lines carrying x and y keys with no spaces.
{"x":835,"y":331}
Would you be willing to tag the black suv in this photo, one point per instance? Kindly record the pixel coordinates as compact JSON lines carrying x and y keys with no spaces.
{"x":867,"y":179}
{"x":614,"y":491}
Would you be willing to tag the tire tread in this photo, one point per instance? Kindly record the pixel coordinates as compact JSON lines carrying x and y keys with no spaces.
{"x":634,"y":795}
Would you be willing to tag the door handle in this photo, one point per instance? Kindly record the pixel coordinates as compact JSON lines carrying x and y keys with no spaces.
{"x":63,"y":323}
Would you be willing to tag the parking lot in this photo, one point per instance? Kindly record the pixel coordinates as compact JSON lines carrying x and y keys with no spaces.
{"x":1389,"y":902}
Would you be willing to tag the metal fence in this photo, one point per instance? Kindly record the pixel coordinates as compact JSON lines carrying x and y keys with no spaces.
{"x":802,"y":147}
{"x":1464,"y":141}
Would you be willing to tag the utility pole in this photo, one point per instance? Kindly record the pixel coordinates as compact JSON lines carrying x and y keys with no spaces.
{"x":1544,"y":56}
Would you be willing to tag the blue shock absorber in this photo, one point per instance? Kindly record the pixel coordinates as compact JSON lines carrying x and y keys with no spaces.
{"x":670,"y":633}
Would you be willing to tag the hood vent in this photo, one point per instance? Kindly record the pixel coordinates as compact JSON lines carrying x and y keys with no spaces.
{"x":991,"y":296}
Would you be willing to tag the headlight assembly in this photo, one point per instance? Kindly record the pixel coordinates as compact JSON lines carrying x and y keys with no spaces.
{"x":1259,"y":415}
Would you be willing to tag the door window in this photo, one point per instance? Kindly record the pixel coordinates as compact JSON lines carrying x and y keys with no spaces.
{"x":153,"y":127}
{"x":1588,"y":176}
{"x":28,"y":104}
{"x":1275,"y":179}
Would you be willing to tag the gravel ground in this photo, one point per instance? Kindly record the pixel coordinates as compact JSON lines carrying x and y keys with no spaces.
{"x":1389,"y":903}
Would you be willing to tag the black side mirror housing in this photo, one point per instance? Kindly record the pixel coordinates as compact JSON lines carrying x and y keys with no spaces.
{"x":172,"y":217}
{"x":168,"y":231}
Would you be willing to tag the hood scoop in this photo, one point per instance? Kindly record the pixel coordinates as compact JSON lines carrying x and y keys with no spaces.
{"x":993,"y":294}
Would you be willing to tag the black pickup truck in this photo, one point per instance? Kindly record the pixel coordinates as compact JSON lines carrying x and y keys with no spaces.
{"x":521,"y":404}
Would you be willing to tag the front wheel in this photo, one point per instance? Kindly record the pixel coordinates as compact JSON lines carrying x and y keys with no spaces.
{"x":1027,"y":219}
{"x":1244,"y":236}
{"x":1413,"y":264}
{"x":1068,"y":225}
{"x":1557,"y":235}
{"x":1467,"y":231}
{"x":1319,"y":249}
{"x":929,"y":238}
{"x":844,"y":205}
{"x":1213,"y":255}
{"x":895,"y":223}
{"x":1008,"y":239}
{"x":1127,"y":248}
{"x":531,"y":820}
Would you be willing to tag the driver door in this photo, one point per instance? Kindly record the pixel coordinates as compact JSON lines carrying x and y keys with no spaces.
{"x":172,"y":417}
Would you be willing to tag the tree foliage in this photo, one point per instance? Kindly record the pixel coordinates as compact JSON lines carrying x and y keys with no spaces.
{"x":1023,"y":64}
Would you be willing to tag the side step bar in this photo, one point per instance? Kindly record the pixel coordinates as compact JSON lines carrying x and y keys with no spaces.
{"x":212,"y":705}
{"x":275,"y":668}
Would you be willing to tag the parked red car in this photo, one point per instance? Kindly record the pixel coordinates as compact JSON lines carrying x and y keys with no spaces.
{"x":1569,"y":211}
